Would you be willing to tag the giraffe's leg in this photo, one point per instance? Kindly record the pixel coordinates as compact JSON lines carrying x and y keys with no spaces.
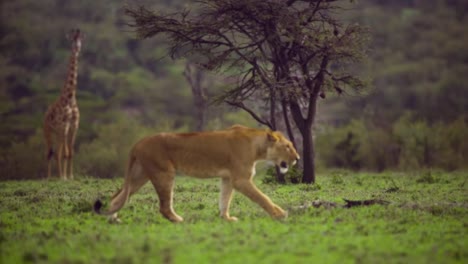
{"x":62,"y":151}
{"x":66,"y":152}
{"x":49,"y":148}
{"x":71,"y":151}
{"x":59,"y":157}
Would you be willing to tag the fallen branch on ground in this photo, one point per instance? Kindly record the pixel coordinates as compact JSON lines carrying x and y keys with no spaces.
{"x":349,"y":203}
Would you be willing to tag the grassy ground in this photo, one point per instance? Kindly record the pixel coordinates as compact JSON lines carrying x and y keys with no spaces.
{"x":426,"y":222}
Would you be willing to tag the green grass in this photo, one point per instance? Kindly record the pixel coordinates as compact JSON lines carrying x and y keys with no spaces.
{"x":426,"y":222}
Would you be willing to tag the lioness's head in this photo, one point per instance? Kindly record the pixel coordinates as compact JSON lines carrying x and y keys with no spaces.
{"x":281,"y":151}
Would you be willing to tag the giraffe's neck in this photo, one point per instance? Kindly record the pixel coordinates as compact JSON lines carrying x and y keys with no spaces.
{"x":69,"y":89}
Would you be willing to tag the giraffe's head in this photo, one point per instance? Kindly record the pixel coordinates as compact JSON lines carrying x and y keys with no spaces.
{"x":76,"y":36}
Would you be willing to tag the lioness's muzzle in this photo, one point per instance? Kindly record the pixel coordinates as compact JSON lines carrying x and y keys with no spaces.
{"x":283,"y":164}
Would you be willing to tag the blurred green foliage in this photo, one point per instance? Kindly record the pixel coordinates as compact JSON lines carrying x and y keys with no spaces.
{"x":126,"y":87}
{"x":118,"y":74}
{"x":106,"y":156}
{"x":419,"y":60}
{"x":409,"y":144}
{"x":415,"y":112}
{"x":413,"y":116}
{"x":24,"y":159}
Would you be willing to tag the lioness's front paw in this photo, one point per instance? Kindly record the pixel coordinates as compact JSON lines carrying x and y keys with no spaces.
{"x":114,"y":220}
{"x":279,"y":213}
{"x":171,"y":216}
{"x":176,"y":219}
{"x":229,"y":218}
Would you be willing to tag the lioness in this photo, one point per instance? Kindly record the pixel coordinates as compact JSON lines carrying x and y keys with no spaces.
{"x":230,"y":154}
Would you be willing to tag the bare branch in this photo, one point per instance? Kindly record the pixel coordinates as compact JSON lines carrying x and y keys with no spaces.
{"x":251,"y":112}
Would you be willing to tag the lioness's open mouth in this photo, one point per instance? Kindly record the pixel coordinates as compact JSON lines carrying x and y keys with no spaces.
{"x":284,"y":167}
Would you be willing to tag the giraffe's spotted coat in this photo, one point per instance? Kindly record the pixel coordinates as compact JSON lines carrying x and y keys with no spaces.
{"x":62,"y":117}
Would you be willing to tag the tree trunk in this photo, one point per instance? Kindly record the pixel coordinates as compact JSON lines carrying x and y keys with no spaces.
{"x":308,"y":156}
{"x":288,"y":124}
{"x":305,"y":127}
{"x":195,"y":77}
{"x":279,"y":176}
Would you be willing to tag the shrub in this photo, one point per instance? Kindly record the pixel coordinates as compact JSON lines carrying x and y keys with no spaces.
{"x":409,"y":144}
{"x":357,"y":145}
{"x":294,"y":175}
{"x":24,"y":160}
{"x":106,"y":155}
{"x":338,"y":147}
{"x":452,"y":146}
{"x":439,"y":145}
{"x":417,"y":144}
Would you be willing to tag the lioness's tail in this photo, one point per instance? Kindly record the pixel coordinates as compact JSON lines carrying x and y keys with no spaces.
{"x":97,"y":207}
{"x":118,"y":201}
{"x":120,"y":197}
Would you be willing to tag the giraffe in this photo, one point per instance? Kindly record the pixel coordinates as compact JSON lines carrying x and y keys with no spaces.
{"x":62,"y":118}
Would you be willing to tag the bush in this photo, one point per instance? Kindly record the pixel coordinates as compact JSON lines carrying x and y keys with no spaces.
{"x":338,"y":147}
{"x":106,"y":156}
{"x":24,"y":160}
{"x":294,"y":175}
{"x":439,"y":146}
{"x":410,"y":144}
{"x":356,"y":146}
{"x":452,"y":146}
{"x":416,"y":141}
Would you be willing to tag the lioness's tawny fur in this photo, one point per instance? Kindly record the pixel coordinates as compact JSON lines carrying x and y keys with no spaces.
{"x":229,"y":154}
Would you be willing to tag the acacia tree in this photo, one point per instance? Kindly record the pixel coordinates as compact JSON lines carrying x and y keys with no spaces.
{"x":288,"y":53}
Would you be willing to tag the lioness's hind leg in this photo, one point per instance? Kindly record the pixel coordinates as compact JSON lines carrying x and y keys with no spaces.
{"x":164,"y":184}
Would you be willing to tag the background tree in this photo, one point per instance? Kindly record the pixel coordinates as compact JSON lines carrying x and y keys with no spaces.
{"x":197,"y":80}
{"x":284,"y":52}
